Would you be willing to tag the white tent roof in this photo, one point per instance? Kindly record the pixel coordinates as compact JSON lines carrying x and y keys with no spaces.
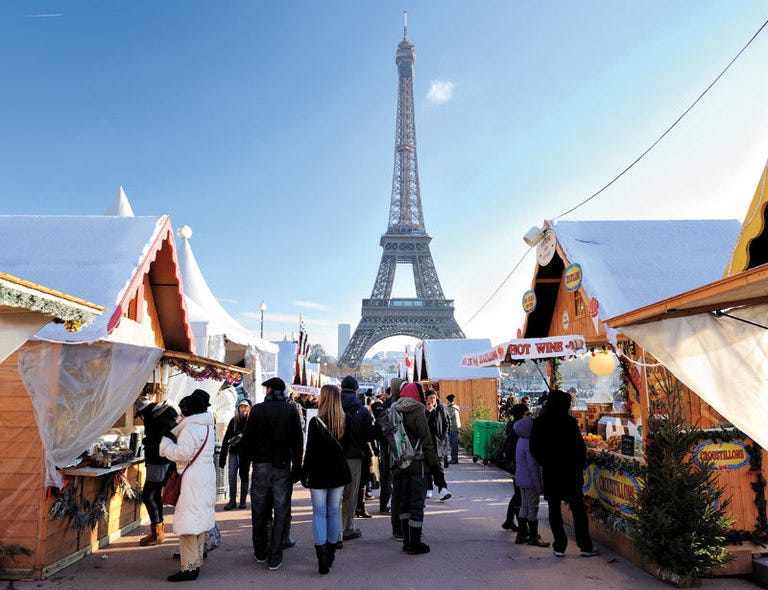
{"x":630,"y":264}
{"x":120,"y":206}
{"x":203,"y":307}
{"x":91,"y":257}
{"x":443,"y":358}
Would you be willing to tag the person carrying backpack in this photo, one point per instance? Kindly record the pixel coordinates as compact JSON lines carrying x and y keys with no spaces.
{"x":413,"y":478}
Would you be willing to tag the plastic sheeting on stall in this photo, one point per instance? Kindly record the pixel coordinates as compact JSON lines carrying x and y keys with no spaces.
{"x":79,"y":390}
{"x":723,"y":360}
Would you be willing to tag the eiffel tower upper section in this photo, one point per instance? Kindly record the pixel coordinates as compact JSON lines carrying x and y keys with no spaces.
{"x":429,"y":314}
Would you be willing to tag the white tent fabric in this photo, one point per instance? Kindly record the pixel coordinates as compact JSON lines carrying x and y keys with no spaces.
{"x":78,"y":388}
{"x":723,"y":360}
{"x":18,"y":327}
{"x":216,"y":331}
{"x":120,"y":206}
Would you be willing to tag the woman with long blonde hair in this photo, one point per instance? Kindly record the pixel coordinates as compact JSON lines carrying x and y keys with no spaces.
{"x":325,"y":472}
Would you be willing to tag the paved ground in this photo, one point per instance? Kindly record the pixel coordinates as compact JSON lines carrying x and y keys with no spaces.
{"x":469,"y":551}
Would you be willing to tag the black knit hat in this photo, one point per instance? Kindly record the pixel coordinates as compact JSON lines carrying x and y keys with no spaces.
{"x":349,"y":383}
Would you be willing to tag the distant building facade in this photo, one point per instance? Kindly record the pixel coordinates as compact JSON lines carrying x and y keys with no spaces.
{"x":345,"y":332}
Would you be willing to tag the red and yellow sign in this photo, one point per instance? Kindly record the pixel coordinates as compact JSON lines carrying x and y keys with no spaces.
{"x":723,"y":455}
{"x":616,"y":490}
{"x":573,"y":277}
{"x":529,"y":301}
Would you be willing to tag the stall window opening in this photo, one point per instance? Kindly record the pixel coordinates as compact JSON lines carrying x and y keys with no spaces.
{"x":578,"y":301}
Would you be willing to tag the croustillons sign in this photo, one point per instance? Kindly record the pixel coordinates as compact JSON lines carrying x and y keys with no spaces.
{"x":616,"y":490}
{"x":723,"y":455}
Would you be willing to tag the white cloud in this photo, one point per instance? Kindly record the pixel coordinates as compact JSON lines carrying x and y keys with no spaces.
{"x":440,"y":91}
{"x":311,"y":305}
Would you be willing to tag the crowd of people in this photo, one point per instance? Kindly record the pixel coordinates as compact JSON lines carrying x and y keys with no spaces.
{"x":347,"y":452}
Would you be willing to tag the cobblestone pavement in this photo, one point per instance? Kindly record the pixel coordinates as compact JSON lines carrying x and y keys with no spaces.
{"x":469,"y":551}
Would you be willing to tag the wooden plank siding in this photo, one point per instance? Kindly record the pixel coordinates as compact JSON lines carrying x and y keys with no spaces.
{"x":469,"y":394}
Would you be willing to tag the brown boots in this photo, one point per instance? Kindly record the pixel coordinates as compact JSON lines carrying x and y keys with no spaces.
{"x":155,"y":537}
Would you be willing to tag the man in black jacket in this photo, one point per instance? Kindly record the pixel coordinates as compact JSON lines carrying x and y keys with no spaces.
{"x":557,"y":445}
{"x":273,"y":444}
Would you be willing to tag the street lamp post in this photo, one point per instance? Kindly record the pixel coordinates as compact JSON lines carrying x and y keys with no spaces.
{"x":262,"y":309}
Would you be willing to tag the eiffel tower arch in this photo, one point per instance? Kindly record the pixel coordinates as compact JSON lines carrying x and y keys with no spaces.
{"x":429,"y":314}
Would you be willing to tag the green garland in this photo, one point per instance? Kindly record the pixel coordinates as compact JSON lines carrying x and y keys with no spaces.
{"x":90,"y":513}
{"x":617,"y":463}
{"x":557,"y":378}
{"x":61,"y":311}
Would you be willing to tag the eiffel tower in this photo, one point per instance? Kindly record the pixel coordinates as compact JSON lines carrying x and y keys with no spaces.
{"x":429,"y":314}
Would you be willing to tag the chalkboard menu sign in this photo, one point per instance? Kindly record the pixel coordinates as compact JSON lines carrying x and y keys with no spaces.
{"x":628,"y":445}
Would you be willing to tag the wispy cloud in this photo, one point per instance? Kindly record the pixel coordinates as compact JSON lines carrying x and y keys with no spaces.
{"x":43,"y":15}
{"x":226,"y":300}
{"x":440,"y":91}
{"x":311,"y":305}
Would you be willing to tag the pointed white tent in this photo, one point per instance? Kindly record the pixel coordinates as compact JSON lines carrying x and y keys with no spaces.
{"x":120,"y":206}
{"x":217,"y":334}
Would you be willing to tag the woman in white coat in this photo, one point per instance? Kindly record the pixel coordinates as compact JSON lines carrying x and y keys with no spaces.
{"x":195,"y":509}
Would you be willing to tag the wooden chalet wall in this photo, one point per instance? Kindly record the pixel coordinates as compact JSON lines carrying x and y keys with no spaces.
{"x":22,"y":473}
{"x":469,"y":394}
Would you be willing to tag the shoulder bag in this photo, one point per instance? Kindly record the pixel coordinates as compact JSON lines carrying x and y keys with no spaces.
{"x":172,"y":487}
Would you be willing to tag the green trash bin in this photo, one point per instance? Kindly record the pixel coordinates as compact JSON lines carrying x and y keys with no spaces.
{"x":484,"y":431}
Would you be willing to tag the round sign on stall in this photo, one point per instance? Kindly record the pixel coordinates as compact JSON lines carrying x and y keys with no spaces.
{"x":529,"y":301}
{"x":545,"y":251}
{"x":572,"y":277}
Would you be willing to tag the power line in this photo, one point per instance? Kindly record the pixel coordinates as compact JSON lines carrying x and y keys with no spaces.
{"x":663,"y":135}
{"x":487,"y":301}
{"x":628,"y":168}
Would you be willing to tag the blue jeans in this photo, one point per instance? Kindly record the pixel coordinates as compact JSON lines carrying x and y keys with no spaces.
{"x":234,"y":473}
{"x":454,"y":438}
{"x":326,"y":517}
{"x":270,"y":488}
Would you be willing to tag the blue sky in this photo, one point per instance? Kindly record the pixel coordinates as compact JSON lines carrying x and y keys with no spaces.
{"x":268,"y":127}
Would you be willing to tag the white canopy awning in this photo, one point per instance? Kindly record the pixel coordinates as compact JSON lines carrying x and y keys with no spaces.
{"x":722,"y":358}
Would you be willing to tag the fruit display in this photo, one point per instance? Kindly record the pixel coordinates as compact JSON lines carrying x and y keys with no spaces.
{"x":594,"y":441}
{"x":614,"y":444}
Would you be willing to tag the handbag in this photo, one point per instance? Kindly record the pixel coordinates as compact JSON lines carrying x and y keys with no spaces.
{"x":172,"y":488}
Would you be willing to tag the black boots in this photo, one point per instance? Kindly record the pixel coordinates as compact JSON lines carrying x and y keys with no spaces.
{"x":330,"y":553}
{"x":509,"y":523}
{"x":415,"y":546}
{"x":243,"y":498}
{"x":322,"y":559}
{"x":406,"y":533}
{"x":533,"y":535}
{"x":231,"y":505}
{"x":186,"y":576}
{"x":522,"y":531}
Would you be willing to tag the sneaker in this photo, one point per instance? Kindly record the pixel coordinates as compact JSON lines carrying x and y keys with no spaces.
{"x":429,"y":494}
{"x":446,"y":496}
{"x":241,"y":506}
{"x":259,"y":559}
{"x":591,"y":553}
{"x":274,"y":568}
{"x":558,"y":553}
{"x":353,"y":534}
{"x":397,"y":536}
{"x":453,"y":462}
{"x":289,"y":542}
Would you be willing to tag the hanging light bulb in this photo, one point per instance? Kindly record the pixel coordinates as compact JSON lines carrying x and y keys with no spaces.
{"x":602,"y":363}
